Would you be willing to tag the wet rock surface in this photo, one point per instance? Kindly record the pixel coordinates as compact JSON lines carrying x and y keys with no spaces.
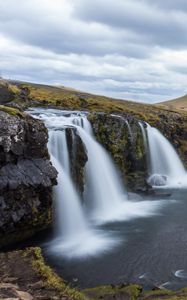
{"x":121,"y":135}
{"x":26,"y":177}
{"x":78,"y":158}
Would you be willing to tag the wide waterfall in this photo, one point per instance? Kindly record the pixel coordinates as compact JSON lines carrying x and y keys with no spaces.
{"x":166,"y":167}
{"x":75,"y":237}
{"x":104,"y":200}
{"x":104,"y":190}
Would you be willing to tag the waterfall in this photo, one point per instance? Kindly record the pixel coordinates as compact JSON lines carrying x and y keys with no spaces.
{"x":74,"y":235}
{"x":130,"y":133}
{"x":166,"y":167}
{"x":104,"y":189}
{"x":129,"y":130}
{"x":65,"y":189}
{"x":105,"y":198}
{"x":143,"y":135}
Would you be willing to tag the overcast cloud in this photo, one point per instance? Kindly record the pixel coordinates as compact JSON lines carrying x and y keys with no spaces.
{"x":129,"y":49}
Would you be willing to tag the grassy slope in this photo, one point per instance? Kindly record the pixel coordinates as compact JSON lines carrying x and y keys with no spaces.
{"x":171,"y":121}
{"x":176,"y":104}
{"x":66,"y":98}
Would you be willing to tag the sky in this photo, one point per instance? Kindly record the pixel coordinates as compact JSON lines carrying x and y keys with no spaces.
{"x":127,"y":49}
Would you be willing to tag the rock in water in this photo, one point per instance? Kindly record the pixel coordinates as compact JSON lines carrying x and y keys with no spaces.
{"x":157,"y":180}
{"x":26,"y":177}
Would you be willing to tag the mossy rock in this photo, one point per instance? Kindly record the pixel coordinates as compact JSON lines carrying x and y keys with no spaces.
{"x":125,"y":292}
{"x":12,"y":111}
{"x":25,"y":274}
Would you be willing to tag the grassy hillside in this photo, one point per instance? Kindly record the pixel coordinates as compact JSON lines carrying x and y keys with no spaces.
{"x":29,"y":94}
{"x":176,"y":104}
{"x":171,"y":121}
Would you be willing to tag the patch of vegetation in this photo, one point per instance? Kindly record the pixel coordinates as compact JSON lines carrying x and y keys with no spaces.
{"x":13,"y":89}
{"x":50,"y":279}
{"x":169,"y":120}
{"x":130,"y":292}
{"x":12,"y":111}
{"x":164,"y":294}
{"x":179,"y":104}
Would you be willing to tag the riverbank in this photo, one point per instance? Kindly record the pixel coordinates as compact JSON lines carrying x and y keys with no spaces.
{"x":25,"y":276}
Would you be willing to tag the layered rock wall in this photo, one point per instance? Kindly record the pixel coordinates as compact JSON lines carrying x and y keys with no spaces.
{"x":26,"y":177}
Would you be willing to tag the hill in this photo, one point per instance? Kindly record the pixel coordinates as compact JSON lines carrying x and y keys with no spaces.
{"x":169,"y":120}
{"x":175,"y":104}
{"x":26,"y":94}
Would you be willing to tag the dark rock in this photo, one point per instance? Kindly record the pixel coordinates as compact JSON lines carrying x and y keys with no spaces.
{"x":78,"y":158}
{"x":26,"y":178}
{"x":121,"y":135}
{"x":6,"y":94}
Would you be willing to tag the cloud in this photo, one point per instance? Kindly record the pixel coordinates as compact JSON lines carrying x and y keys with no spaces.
{"x":145,"y":18}
{"x":124,"y":49}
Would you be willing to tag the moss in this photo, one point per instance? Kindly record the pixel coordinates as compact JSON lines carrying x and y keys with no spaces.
{"x":50,"y":279}
{"x":130,"y":292}
{"x":164,"y":294}
{"x":13,"y":89}
{"x":125,"y":146}
{"x":12,"y":111}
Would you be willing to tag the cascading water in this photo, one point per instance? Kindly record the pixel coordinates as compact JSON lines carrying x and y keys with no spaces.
{"x":105,"y":198}
{"x":103,"y":184}
{"x":60,"y":158}
{"x":144,"y":135}
{"x":166,"y":167}
{"x":129,"y":130}
{"x":104,"y":190}
{"x":74,"y":235}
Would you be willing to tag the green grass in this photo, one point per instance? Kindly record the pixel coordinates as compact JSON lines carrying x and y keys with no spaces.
{"x":49,"y":278}
{"x":12,"y":111}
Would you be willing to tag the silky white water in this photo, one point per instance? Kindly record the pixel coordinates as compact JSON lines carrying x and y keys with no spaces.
{"x":164,"y":160}
{"x":74,"y":235}
{"x":143,"y":134}
{"x":105,"y":198}
{"x":103,"y":189}
{"x":65,"y":187}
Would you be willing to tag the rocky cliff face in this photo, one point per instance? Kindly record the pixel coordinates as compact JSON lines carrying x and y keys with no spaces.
{"x":121,"y":135}
{"x":26,"y":177}
{"x":78,"y":158}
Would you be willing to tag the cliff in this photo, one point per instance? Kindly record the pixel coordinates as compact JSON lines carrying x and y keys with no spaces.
{"x":26,"y":176}
{"x":121,"y":135}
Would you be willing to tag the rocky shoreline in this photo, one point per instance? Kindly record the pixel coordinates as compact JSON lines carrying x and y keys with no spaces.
{"x":24,"y":275}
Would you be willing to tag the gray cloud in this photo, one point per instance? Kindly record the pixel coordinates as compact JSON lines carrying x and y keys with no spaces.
{"x":126,"y":48}
{"x":146,"y":18}
{"x":179,"y":5}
